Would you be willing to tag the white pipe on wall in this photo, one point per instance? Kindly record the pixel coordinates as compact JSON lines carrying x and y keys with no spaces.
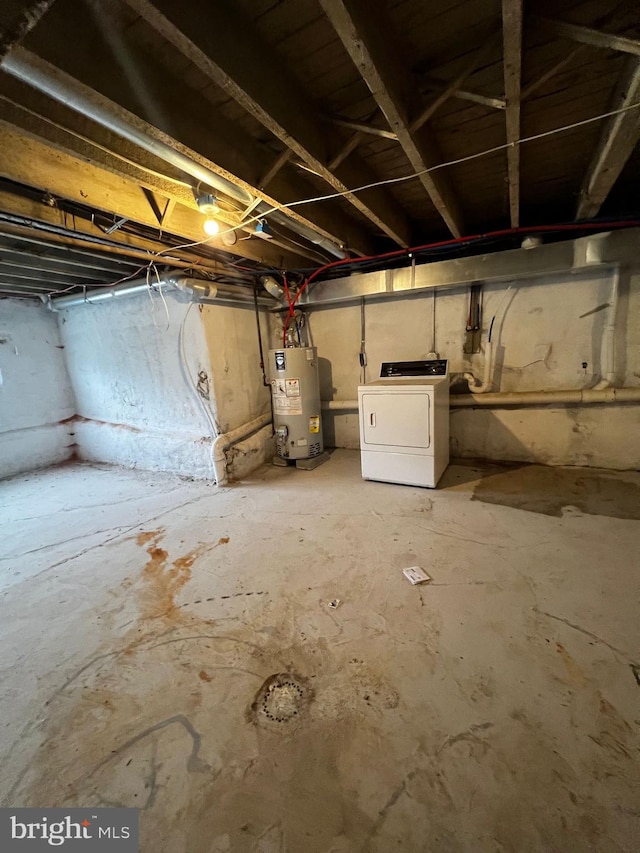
{"x":226,"y":440}
{"x":340,"y":405}
{"x":586,"y":396}
{"x":608,"y":357}
{"x":482,"y":387}
{"x":581,"y":397}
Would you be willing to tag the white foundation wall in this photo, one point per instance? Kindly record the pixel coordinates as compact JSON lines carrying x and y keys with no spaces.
{"x":134,"y":364}
{"x":544,"y":333}
{"x":35,"y":391}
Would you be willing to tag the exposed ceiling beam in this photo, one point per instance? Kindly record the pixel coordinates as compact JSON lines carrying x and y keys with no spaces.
{"x":31,"y":162}
{"x":512,"y":62}
{"x":25,"y":260}
{"x":44,"y":274}
{"x":274,"y":168}
{"x":364,"y":127}
{"x":496,"y":103}
{"x":614,"y":17}
{"x":555,"y":69}
{"x":145,"y":92}
{"x":350,"y":145}
{"x":18,"y":19}
{"x":40,"y":117}
{"x":39,"y":247}
{"x":586,"y":35}
{"x":483,"y":52}
{"x":619,"y":137}
{"x":247,"y":69}
{"x":365,"y":34}
{"x":36,"y":284}
{"x":27,"y":220}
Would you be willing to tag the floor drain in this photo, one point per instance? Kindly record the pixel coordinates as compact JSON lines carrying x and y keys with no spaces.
{"x":281,"y":700}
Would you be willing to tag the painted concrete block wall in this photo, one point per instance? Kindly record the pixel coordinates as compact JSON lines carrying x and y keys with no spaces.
{"x":232,"y":339}
{"x":35,"y":391}
{"x":135,"y":367}
{"x":543,"y":334}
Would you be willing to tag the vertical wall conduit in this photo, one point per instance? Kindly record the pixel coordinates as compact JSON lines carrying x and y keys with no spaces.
{"x":608,"y":358}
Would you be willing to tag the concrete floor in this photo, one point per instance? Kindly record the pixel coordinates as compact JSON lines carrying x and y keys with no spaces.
{"x":496,"y":709}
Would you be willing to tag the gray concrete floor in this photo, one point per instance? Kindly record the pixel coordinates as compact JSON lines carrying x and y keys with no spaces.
{"x":496,"y":709}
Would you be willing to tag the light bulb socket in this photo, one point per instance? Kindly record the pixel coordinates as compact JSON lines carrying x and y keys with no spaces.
{"x":207,"y":204}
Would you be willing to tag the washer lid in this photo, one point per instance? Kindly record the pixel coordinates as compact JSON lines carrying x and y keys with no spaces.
{"x":404,"y":369}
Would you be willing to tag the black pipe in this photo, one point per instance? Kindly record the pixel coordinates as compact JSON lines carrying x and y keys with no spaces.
{"x":257,"y":310}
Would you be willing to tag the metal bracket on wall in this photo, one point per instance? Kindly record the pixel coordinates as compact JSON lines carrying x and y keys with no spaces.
{"x":474,"y":321}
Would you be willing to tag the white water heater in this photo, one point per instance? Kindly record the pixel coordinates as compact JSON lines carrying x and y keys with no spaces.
{"x":295,"y":393}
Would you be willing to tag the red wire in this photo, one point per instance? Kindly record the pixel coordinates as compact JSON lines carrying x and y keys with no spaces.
{"x":503,"y":232}
{"x":290,"y":313}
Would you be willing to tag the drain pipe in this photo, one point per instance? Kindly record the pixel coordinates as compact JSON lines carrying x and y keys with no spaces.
{"x":226,"y":440}
{"x":482,"y":387}
{"x":340,"y":405}
{"x":584,"y":397}
{"x":608,"y":358}
{"x":61,"y":87}
{"x":580,"y":397}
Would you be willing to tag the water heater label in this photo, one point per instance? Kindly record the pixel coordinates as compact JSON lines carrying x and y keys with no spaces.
{"x":314,"y":423}
{"x":281,"y":361}
{"x":286,"y":405}
{"x":292,"y":387}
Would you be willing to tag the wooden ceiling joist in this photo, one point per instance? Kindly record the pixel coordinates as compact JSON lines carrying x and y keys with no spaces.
{"x":619,"y":137}
{"x":365,"y":35}
{"x":250,"y":72}
{"x":492,"y":101}
{"x":482,"y":54}
{"x":586,"y":35}
{"x":177,"y":115}
{"x":512,"y":62}
{"x":17,"y":21}
{"x":33,"y":162}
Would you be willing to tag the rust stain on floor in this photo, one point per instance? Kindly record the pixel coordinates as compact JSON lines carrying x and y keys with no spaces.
{"x":148,"y":535}
{"x":163,"y":582}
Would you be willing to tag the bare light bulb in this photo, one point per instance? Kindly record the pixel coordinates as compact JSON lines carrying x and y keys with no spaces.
{"x":211,"y":227}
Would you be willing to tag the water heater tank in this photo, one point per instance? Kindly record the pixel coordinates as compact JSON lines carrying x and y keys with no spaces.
{"x":295,"y":392}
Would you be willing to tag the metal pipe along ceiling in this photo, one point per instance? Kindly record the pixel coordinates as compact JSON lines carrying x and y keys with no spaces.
{"x":197,"y":289}
{"x":59,"y":86}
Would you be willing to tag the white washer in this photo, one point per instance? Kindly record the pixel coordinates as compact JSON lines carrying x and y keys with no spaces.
{"x":404,"y":423}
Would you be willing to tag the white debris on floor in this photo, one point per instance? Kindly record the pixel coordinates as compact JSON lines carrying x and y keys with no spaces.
{"x":174,"y":647}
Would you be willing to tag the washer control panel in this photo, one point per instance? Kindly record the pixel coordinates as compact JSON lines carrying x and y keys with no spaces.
{"x":397,"y":369}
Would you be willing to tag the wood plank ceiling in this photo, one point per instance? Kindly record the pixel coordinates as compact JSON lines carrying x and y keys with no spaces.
{"x":271,"y":102}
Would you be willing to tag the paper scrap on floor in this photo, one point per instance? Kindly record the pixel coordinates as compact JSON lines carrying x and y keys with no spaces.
{"x":415,"y":575}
